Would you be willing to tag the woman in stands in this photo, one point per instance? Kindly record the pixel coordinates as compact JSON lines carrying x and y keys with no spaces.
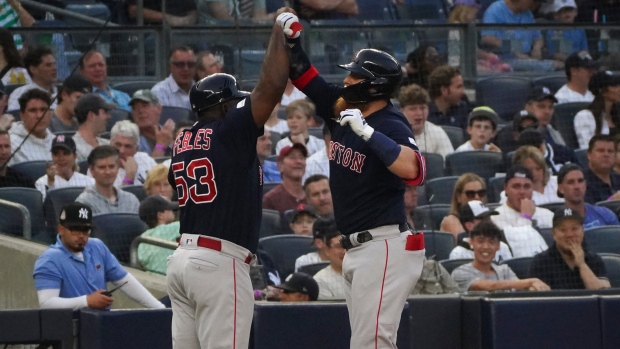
{"x":545,"y":185}
{"x":157,"y":182}
{"x":468,"y":187}
{"x":602,"y":115}
{"x":11,"y":66}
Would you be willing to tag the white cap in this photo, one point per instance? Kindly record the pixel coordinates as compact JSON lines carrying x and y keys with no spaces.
{"x":560,"y":4}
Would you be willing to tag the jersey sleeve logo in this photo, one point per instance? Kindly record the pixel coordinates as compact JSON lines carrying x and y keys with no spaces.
{"x":412,"y":141}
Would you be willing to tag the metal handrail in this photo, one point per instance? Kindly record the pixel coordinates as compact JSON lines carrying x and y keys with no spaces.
{"x":133,"y":250}
{"x":66,"y":13}
{"x":26,"y":220}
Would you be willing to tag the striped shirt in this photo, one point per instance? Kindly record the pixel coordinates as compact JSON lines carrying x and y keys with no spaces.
{"x":9,"y":18}
{"x":125,"y":202}
{"x":33,"y":149}
{"x":76,"y":180}
{"x":170,"y":94}
{"x":83,"y":148}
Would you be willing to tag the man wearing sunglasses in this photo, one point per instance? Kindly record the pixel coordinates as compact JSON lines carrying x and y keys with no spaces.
{"x":73,"y":272}
{"x":174,"y":90}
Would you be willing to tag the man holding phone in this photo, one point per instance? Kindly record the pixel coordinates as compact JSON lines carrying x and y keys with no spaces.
{"x":73,"y":272}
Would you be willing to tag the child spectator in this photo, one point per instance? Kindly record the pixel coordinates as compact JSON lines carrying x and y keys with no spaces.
{"x":481,"y":127}
{"x":302,"y":219}
{"x":561,"y":43}
{"x":298,"y":114}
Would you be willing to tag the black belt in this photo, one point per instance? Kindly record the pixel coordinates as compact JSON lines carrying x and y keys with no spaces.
{"x":365,"y":236}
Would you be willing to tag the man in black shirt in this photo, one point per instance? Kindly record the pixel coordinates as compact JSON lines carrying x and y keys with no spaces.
{"x":566,"y":264}
{"x":8,"y":176}
{"x":447,"y":107}
{"x":603,"y":182}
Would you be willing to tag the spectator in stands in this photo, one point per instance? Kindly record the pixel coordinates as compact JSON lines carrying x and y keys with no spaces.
{"x":421,"y":62}
{"x":73,"y":272}
{"x":174,"y":90}
{"x":133,"y":164}
{"x":525,"y":46}
{"x":92,"y":113}
{"x":471,"y":214}
{"x":271,"y":173}
{"x":298,"y":115}
{"x":275,"y":124}
{"x":302,"y":218}
{"x":209,"y":10}
{"x":555,"y":156}
{"x":411,"y":202}
{"x":320,"y":230}
{"x":519,"y":216}
{"x":579,"y":67}
{"x":544,"y":185}
{"x":602,"y":115}
{"x":14,"y":15}
{"x":298,"y":287}
{"x":12,"y":69}
{"x":540,"y":103}
{"x":572,"y":187}
{"x":32,"y":130}
{"x":468,"y":187}
{"x":447,"y":107}
{"x":41,"y":66}
{"x":561,"y":43}
{"x":330,"y":279}
{"x":207,"y":64}
{"x":103,"y":196}
{"x":177,"y":13}
{"x":9,"y":177}
{"x":507,"y":138}
{"x":567,"y":264}
{"x":318,"y":163}
{"x":290,"y":193}
{"x":321,"y":9}
{"x":482,"y":274}
{"x":156,"y":182}
{"x":155,"y":140}
{"x":319,"y":195}
{"x":291,"y":93}
{"x":159,"y":214}
{"x":430,"y":138}
{"x":481,"y":126}
{"x":603,"y":182}
{"x":94,"y":68}
{"x":63,"y":117}
{"x":62,"y":171}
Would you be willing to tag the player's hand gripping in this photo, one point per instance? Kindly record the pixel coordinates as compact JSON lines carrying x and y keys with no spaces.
{"x":290,"y":25}
{"x":355,"y":120}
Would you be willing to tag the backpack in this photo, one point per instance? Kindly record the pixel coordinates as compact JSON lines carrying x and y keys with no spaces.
{"x":435,"y":279}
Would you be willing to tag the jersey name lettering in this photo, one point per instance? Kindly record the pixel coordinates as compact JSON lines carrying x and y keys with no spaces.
{"x":346,"y":157}
{"x":183,"y":141}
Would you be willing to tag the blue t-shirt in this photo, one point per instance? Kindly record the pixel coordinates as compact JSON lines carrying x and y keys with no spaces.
{"x":120,"y":98}
{"x":217,"y":176}
{"x":271,"y":173}
{"x":566,"y":41}
{"x":521,"y":41}
{"x":597,"y":216}
{"x":57,"y":268}
{"x":365,"y":193}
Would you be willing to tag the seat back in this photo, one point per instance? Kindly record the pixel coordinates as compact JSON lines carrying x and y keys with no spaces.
{"x":604,"y":239}
{"x":129,"y":87}
{"x":547,"y":234}
{"x":451,"y":264}
{"x":117,"y":231}
{"x":483,"y":163}
{"x":613,"y":205}
{"x":563,"y":121}
{"x":375,"y":10}
{"x":33,"y":169}
{"x":285,"y":249}
{"x":520,"y":266}
{"x":553,"y":82}
{"x":55,"y":200}
{"x":505,"y":94}
{"x":440,"y":190}
{"x":582,"y":157}
{"x":495,"y":186}
{"x":270,"y":223}
{"x":268,"y":186}
{"x":430,"y":215}
{"x":177,"y":114}
{"x":33,"y":200}
{"x":455,"y":134}
{"x":421,"y":10}
{"x":117,"y":115}
{"x":314,"y":268}
{"x":434,"y":165}
{"x":612,"y":265}
{"x":137,"y":190}
{"x":553,"y":206}
{"x":438,"y":244}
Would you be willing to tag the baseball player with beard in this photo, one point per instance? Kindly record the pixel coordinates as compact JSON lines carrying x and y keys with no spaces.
{"x":373,"y":156}
{"x":214,"y":169}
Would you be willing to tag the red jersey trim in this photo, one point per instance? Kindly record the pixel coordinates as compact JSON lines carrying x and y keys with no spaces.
{"x":305,"y":78}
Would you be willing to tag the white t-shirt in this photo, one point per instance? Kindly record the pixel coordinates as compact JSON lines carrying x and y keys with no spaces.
{"x":331,"y":283}
{"x":566,"y":95}
{"x":434,"y":139}
{"x":281,"y":127}
{"x":585,"y":127}
{"x":467,"y":146}
{"x":313,"y":145}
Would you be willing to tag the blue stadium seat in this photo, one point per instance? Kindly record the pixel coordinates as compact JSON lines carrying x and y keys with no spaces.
{"x":117,"y":115}
{"x":32,"y":169}
{"x":553,"y":82}
{"x":129,"y":87}
{"x":612,"y":265}
{"x":520,"y":266}
{"x":483,"y":163}
{"x":375,"y":10}
{"x":177,"y":114}
{"x":613,"y":205}
{"x":456,"y":135}
{"x":270,"y":224}
{"x":495,"y":186}
{"x":314,"y":268}
{"x":434,"y":165}
{"x":422,"y":10}
{"x":117,"y":231}
{"x":582,"y":158}
{"x":438,"y":244}
{"x":547,"y":234}
{"x":440,"y":190}
{"x":505,"y":94}
{"x":604,"y":239}
{"x":451,"y":264}
{"x":285,"y":249}
{"x":55,"y":200}
{"x":33,"y":200}
{"x":268,"y":186}
{"x":137,"y":190}
{"x":552,"y":206}
{"x":563,"y":117}
{"x":429,"y":217}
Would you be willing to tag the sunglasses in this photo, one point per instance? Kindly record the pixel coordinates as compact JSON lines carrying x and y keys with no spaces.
{"x":471,"y":194}
{"x":184,"y":64}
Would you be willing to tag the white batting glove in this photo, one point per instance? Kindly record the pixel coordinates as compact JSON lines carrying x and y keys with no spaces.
{"x":355,"y":120}
{"x":290,"y":24}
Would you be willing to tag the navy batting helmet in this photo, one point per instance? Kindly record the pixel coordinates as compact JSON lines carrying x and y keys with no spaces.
{"x":382,"y":75}
{"x":213,"y":90}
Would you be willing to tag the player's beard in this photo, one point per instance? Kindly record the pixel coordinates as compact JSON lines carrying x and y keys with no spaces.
{"x":341,"y":105}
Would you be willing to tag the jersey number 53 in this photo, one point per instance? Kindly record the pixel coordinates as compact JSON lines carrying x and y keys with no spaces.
{"x":208,"y":188}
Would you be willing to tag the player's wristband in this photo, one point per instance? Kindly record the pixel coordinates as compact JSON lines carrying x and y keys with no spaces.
{"x":301,"y":70}
{"x":127,"y":181}
{"x":160,"y":147}
{"x":526,"y":216}
{"x":386,"y":149}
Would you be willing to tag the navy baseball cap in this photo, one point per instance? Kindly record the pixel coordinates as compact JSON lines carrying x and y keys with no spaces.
{"x":581,"y":59}
{"x":325,"y":228}
{"x":302,"y":283}
{"x":76,"y":215}
{"x":518,"y":171}
{"x":64,"y":142}
{"x":540,"y":93}
{"x":566,"y":213}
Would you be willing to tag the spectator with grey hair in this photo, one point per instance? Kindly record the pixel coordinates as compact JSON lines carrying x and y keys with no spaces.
{"x":174,"y":90}
{"x":133,"y":164}
{"x":92,"y":113}
{"x":207,"y":64}
{"x":103,"y":197}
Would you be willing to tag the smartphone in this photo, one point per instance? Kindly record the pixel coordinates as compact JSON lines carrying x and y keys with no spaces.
{"x":109,"y":293}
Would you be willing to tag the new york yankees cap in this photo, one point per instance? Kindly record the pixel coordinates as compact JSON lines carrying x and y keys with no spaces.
{"x":518,"y":171}
{"x":302,"y":283}
{"x":76,"y":215}
{"x":475,"y":209}
{"x":563,"y":213}
{"x":540,"y":93}
{"x":65,"y":142}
